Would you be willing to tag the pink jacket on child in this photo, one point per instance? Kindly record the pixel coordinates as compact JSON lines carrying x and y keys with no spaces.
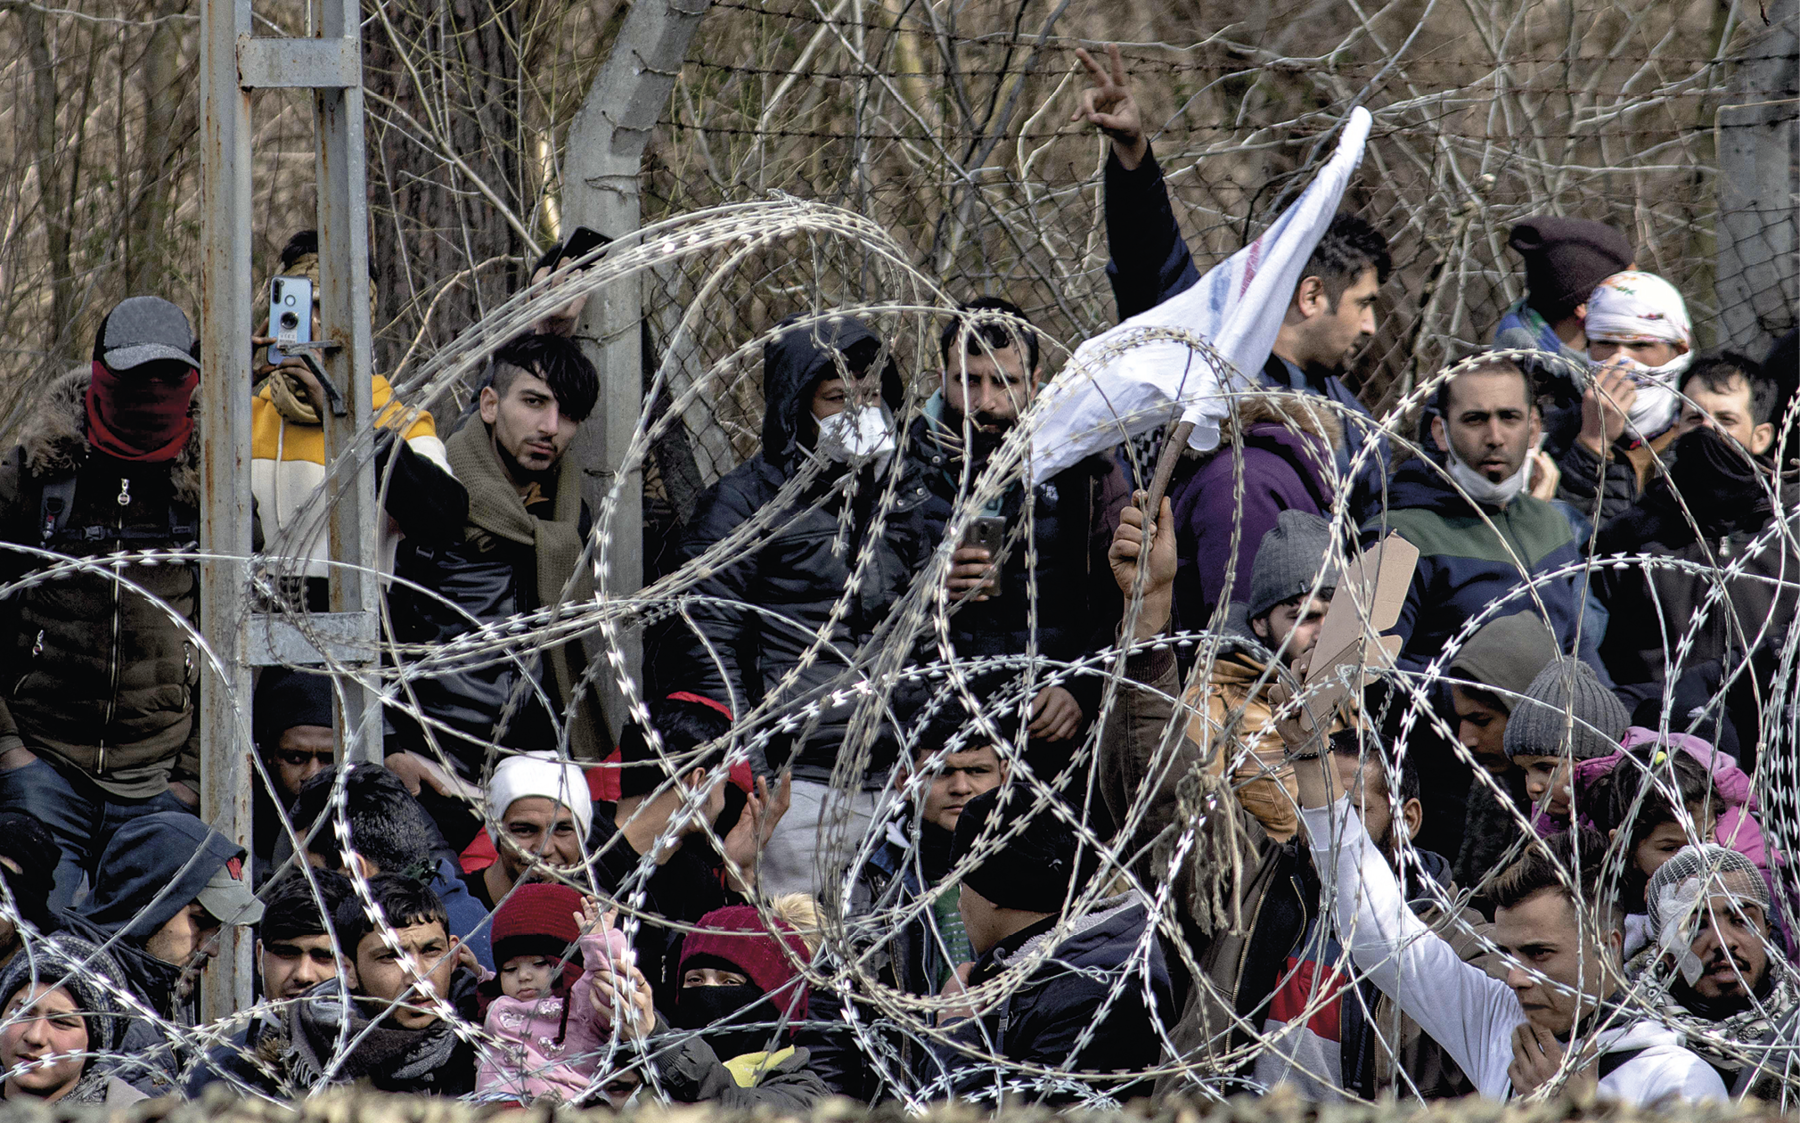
{"x":536,"y":1051}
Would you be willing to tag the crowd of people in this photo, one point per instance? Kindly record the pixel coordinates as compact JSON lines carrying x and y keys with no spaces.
{"x":943,"y":784}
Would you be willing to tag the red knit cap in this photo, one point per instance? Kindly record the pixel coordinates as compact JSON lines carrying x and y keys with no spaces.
{"x":537,"y":919}
{"x":739,"y":935}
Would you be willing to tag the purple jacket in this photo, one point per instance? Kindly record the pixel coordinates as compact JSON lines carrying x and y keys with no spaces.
{"x":1283,"y":467}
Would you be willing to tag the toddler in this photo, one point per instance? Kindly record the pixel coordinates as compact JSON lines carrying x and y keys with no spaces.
{"x":547,"y":1034}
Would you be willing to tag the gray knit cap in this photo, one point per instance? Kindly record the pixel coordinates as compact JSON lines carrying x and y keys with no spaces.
{"x":1504,"y":656}
{"x":1288,"y":560}
{"x":1566,"y":703}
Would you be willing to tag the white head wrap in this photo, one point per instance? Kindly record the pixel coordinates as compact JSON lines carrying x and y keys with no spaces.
{"x":532,"y":774}
{"x":1679,"y":890}
{"x":1634,"y":307}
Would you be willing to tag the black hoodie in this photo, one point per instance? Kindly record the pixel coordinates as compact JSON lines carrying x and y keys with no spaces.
{"x":780,"y":591}
{"x":1714,"y":511}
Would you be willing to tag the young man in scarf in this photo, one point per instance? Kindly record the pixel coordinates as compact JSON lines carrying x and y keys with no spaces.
{"x":518,"y":552}
{"x":1639,"y":341}
{"x":98,"y":726}
{"x":402,"y":971}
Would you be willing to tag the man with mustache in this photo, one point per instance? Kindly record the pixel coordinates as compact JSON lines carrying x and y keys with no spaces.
{"x":1711,"y":965}
{"x":1483,"y":540}
{"x":1051,"y":553}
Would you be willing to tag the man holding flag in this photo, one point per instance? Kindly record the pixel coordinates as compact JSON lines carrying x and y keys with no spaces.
{"x":1329,"y":311}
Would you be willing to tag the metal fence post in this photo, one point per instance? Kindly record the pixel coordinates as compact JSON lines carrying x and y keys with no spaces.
{"x":344,"y":311}
{"x":602,"y":158}
{"x":1758,"y":187}
{"x":225,"y":462}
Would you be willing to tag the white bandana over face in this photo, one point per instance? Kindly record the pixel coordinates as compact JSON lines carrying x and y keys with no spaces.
{"x":1634,"y":307}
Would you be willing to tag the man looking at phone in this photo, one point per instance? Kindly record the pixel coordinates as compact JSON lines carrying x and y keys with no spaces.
{"x":991,"y":372}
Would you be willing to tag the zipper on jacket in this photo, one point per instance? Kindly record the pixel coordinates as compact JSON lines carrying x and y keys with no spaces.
{"x":112,"y":694}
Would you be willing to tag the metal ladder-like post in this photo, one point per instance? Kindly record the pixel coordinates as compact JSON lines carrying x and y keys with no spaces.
{"x":232,"y":64}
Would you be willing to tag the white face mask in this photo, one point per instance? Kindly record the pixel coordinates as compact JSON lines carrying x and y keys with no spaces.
{"x":857,"y":434}
{"x":1654,"y":408}
{"x":1483,"y":490}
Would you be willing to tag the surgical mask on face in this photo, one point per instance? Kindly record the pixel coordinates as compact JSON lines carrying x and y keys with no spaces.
{"x":1656,"y":404}
{"x":1483,"y":490}
{"x":857,"y":434}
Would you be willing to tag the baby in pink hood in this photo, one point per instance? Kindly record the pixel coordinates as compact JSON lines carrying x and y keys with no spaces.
{"x":547,"y":1036}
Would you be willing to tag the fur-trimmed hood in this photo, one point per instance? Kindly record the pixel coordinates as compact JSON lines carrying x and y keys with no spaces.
{"x":1305,"y":413}
{"x":54,"y":440}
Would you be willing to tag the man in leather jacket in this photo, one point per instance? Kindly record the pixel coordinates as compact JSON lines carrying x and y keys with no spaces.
{"x":520,"y":551}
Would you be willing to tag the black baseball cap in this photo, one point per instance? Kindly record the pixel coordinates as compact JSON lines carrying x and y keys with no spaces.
{"x":144,"y":329}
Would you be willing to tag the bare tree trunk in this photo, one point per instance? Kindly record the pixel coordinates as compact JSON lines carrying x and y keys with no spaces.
{"x":53,"y":201}
{"x":161,"y":82}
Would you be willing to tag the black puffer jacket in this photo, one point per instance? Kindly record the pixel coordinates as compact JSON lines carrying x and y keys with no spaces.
{"x":1069,"y":540}
{"x":1728,"y":522}
{"x":776,"y":597}
{"x":98,"y":676}
{"x":1044,"y":1021}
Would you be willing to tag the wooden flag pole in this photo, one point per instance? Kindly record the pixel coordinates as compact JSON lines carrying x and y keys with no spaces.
{"x":1165,"y":467}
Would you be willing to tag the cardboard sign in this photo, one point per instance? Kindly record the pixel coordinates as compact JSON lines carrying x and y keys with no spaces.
{"x":1367,"y":603}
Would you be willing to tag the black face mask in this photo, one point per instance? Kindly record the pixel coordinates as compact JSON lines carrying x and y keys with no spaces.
{"x":736,"y":1019}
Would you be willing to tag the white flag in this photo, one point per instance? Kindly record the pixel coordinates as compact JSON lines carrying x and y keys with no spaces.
{"x":1177,"y":361}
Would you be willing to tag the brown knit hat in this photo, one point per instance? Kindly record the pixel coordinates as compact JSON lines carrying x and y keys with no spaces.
{"x":1565,"y":258}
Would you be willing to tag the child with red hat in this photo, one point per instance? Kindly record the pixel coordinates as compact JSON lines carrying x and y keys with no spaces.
{"x":547,"y":1033}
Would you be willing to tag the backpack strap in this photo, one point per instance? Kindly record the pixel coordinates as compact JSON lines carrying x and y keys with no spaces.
{"x":55,"y":500}
{"x":1612,"y":1062}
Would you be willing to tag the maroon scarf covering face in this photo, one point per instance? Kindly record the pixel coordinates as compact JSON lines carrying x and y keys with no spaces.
{"x":143,"y":420}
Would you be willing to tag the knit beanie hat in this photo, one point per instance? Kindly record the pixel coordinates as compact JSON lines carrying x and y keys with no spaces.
{"x":532,"y":774}
{"x":1031,"y":870}
{"x":536,"y":919}
{"x":1505,"y":655}
{"x":1565,"y":258}
{"x":1287,"y":561}
{"x":284,"y":698}
{"x":1566,"y":706}
{"x":741,"y":937}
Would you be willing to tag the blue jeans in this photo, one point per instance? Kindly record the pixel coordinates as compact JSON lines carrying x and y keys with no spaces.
{"x":81,"y":816}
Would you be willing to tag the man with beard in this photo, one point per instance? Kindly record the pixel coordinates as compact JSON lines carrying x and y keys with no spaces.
{"x":167,"y":884}
{"x":1483,"y":541}
{"x":1332,"y":311}
{"x":991,"y":373}
{"x":1711,"y":964}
